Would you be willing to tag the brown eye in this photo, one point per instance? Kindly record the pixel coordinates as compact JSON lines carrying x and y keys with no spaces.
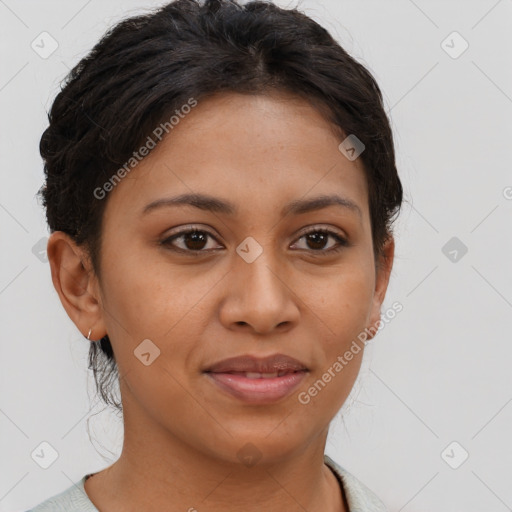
{"x":192,"y":240}
{"x":317,"y":240}
{"x":195,"y":240}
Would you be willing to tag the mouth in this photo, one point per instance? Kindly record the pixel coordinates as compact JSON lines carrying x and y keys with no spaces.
{"x":257,"y":380}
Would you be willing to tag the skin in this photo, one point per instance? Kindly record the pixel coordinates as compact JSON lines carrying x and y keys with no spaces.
{"x":182,"y":433}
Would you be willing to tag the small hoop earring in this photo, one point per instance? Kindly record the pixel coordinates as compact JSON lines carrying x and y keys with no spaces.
{"x":89,"y":335}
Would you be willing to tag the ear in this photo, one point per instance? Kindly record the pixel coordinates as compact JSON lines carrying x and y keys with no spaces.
{"x":383,"y":266}
{"x":75,"y":282}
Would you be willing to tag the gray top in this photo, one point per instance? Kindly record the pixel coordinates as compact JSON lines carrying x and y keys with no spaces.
{"x":359,"y":497}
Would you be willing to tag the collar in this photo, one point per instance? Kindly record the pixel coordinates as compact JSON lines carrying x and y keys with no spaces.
{"x":359,"y":497}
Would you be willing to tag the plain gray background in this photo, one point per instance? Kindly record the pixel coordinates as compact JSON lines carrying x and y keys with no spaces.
{"x":438,"y":373}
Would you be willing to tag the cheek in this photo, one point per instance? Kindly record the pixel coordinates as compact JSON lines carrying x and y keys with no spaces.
{"x":338,"y":309}
{"x":137,"y":288}
{"x":153,"y":300}
{"x":342,"y":303}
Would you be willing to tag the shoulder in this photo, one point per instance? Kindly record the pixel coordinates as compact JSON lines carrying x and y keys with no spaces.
{"x":359,"y":497}
{"x":73,"y":499}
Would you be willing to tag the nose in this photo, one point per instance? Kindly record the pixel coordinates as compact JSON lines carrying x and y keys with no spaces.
{"x":260,"y":297}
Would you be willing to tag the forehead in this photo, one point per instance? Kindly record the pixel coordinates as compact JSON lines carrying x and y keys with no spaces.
{"x":258,"y":151}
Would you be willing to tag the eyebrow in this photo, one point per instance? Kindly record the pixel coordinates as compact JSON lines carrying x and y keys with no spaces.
{"x":216,"y":205}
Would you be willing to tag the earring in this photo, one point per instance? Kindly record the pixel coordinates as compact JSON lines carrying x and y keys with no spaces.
{"x":89,"y":335}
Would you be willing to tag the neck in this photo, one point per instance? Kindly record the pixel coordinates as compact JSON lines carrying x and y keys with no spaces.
{"x":158,"y":471}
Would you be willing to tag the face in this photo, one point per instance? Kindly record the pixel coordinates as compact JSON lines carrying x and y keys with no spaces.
{"x":257,"y":278}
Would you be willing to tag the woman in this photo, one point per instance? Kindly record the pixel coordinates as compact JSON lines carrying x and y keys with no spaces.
{"x":221,"y":185}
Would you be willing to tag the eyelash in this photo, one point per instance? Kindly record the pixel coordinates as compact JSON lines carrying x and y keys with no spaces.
{"x":342,"y":242}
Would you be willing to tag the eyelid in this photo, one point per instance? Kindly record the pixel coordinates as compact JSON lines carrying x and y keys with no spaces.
{"x":320,"y":227}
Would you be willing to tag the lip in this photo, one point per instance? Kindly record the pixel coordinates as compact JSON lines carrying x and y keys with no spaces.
{"x":259,"y":390}
{"x":229,"y":376}
{"x":249,"y":363}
